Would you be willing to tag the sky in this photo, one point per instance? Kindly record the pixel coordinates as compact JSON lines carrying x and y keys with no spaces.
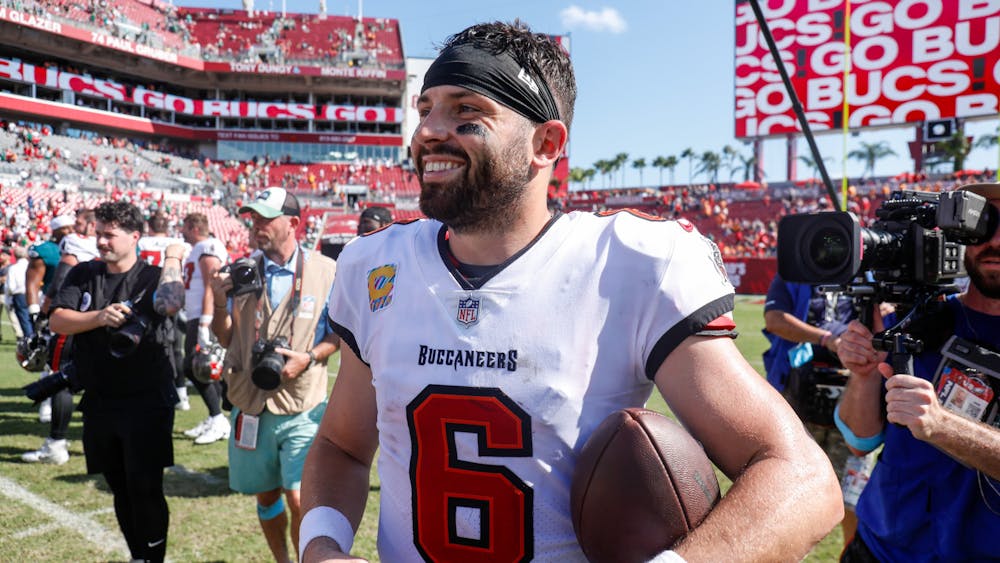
{"x":655,"y":77}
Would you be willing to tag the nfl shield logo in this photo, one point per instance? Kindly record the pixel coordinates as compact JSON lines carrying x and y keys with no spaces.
{"x":468,"y":311}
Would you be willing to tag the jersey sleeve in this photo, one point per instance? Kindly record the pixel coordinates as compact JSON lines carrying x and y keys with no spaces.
{"x":694,"y":296}
{"x":348,"y":303}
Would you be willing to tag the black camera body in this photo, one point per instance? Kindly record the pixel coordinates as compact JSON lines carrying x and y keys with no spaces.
{"x":245,"y":275}
{"x":267,"y":363}
{"x":124,"y":340}
{"x":919,"y":239}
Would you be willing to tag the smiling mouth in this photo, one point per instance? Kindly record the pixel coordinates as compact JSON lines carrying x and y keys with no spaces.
{"x":438,"y":166}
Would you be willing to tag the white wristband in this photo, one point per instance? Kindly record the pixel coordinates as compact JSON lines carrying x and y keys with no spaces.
{"x":205,"y":320}
{"x":323,"y":521}
{"x":34,"y":309}
{"x":669,"y":556}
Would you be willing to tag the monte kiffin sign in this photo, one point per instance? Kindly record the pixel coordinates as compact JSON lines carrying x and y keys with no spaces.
{"x":911,"y":61}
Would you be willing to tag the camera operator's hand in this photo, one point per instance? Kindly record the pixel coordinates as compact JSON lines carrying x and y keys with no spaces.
{"x":222,"y":284}
{"x":295,"y":362}
{"x":113,"y":315}
{"x":912,"y":402}
{"x":855,"y":348}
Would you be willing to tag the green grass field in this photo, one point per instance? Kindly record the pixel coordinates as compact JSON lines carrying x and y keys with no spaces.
{"x":58,"y":513}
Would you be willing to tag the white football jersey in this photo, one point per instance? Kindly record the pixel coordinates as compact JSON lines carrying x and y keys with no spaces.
{"x":485,"y":395}
{"x":194,"y":283}
{"x":84,"y":248}
{"x":153,"y":249}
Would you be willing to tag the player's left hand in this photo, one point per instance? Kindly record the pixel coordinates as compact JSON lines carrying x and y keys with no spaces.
{"x":912,"y":402}
{"x":295,"y":362}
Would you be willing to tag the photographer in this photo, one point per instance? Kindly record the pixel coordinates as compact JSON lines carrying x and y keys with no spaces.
{"x":803,"y":325}
{"x":114,"y":307}
{"x":934,"y":493}
{"x":278,"y":389}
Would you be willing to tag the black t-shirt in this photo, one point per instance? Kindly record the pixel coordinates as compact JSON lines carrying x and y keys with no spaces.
{"x":142,"y":379}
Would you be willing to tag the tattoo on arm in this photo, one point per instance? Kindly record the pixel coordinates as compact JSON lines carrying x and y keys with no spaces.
{"x":170,"y":292}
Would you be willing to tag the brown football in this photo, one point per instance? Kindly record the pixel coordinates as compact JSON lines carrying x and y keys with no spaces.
{"x":640,"y":484}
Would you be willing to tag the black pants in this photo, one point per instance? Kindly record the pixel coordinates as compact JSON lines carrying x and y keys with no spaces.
{"x":131,"y":448}
{"x":857,"y":552}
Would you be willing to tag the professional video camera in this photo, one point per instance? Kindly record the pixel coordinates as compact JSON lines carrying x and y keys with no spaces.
{"x":245,"y":275}
{"x":909,"y":256}
{"x":918,"y":239}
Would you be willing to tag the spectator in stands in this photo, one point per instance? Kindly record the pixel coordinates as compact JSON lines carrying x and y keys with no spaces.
{"x":804,"y":326}
{"x":128,"y":390}
{"x":14,"y":291}
{"x":285,"y":407}
{"x":373,"y":218}
{"x":207,"y":255}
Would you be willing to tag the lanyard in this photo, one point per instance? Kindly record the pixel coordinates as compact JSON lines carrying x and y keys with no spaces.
{"x":290,"y":312}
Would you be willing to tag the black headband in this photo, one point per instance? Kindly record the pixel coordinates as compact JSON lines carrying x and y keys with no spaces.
{"x":498,"y":77}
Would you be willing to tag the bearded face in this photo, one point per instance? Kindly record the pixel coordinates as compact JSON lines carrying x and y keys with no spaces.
{"x":982,"y":262}
{"x":484,"y":193}
{"x":983,"y":266}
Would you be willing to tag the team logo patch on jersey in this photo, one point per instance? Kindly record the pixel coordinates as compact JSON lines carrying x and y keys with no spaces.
{"x":720,"y":265}
{"x":468,"y":311}
{"x":381,"y":282}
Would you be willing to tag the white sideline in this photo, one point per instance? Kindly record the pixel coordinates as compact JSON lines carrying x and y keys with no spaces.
{"x":52,"y":526}
{"x":93,"y":532}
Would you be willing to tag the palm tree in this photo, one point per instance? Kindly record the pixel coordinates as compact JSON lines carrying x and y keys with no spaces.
{"x":671,"y":163}
{"x":729,"y":155}
{"x":604,"y":167}
{"x":956,"y":148}
{"x":660,"y":162}
{"x":812,"y":164}
{"x":688,"y":153}
{"x":747,"y":164}
{"x":870,"y":154}
{"x":619,"y":164}
{"x":639,"y":164}
{"x":588,"y":176}
{"x":577,"y":175}
{"x":709,"y":163}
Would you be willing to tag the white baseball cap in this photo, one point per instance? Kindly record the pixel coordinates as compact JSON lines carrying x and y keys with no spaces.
{"x":61,"y":221}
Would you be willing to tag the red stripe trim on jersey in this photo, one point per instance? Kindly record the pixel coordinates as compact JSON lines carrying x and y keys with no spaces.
{"x":695,"y":323}
{"x":630,"y":211}
{"x":721,"y":323}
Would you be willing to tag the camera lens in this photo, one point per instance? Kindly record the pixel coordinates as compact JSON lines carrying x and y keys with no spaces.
{"x":829,"y":248}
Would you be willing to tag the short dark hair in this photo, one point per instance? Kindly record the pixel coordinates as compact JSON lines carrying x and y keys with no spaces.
{"x":123,"y":214}
{"x":198,"y":221}
{"x":86,"y":214}
{"x":535,"y":51}
{"x":158,"y":223}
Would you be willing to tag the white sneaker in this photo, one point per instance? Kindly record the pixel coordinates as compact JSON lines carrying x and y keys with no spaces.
{"x":218,"y":430}
{"x":45,"y":411}
{"x":183,"y":404}
{"x":52,"y":451}
{"x":200,"y":429}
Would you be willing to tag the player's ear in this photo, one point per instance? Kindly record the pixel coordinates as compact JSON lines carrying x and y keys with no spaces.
{"x":549,"y":142}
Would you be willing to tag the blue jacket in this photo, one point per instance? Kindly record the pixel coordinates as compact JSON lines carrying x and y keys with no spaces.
{"x":792,"y":298}
{"x":922,"y":505}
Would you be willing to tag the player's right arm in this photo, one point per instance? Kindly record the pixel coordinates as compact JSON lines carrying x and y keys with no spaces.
{"x":337,"y":469}
{"x":33,"y":280}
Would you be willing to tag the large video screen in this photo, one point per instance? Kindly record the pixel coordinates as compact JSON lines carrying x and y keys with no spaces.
{"x":911,"y":61}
